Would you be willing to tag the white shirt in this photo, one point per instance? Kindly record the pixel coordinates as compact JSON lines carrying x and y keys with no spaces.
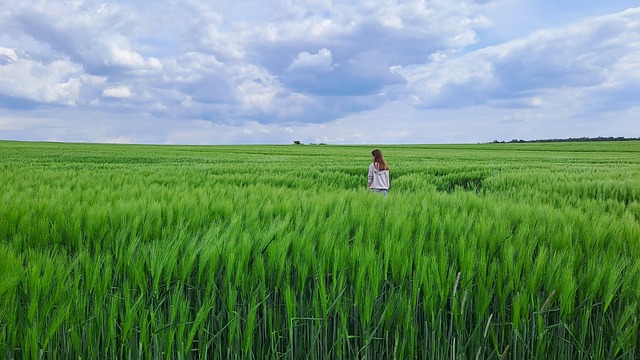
{"x":379,"y":179}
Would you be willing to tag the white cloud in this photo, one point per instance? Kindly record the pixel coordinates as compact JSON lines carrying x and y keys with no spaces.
{"x":256,"y":88}
{"x":117,"y":52}
{"x":7,"y":56}
{"x":56,"y":81}
{"x":571,"y":63}
{"x":321,"y":62}
{"x":93,"y":34}
{"x":117,"y":92}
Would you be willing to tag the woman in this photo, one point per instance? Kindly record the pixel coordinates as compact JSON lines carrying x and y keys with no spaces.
{"x":378,"y":173}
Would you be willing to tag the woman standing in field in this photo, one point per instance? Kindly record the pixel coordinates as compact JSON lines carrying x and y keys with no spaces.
{"x":378,"y":173}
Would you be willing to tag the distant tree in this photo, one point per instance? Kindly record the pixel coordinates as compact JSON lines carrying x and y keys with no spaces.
{"x":297,"y":142}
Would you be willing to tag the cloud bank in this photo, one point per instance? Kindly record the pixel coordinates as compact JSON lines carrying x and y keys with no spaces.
{"x":318,"y":71}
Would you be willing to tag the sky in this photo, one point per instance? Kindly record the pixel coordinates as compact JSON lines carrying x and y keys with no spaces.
{"x":318,"y":71}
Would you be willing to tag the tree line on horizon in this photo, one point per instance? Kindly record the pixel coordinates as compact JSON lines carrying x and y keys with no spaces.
{"x":580,"y":139}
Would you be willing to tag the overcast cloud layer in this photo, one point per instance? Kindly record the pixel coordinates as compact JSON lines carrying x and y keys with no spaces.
{"x":339,"y":72}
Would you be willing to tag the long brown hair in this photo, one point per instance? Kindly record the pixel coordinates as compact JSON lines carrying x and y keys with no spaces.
{"x":378,"y":160}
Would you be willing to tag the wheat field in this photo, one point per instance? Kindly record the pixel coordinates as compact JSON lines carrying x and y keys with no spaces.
{"x":504,"y":251}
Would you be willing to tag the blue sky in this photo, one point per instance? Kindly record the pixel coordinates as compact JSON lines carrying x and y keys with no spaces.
{"x":337,"y":72}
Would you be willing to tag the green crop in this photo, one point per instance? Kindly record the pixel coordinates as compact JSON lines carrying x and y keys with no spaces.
{"x":518,"y":251}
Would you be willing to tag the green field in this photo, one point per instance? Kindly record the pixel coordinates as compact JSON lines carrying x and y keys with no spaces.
{"x":514,"y":251}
